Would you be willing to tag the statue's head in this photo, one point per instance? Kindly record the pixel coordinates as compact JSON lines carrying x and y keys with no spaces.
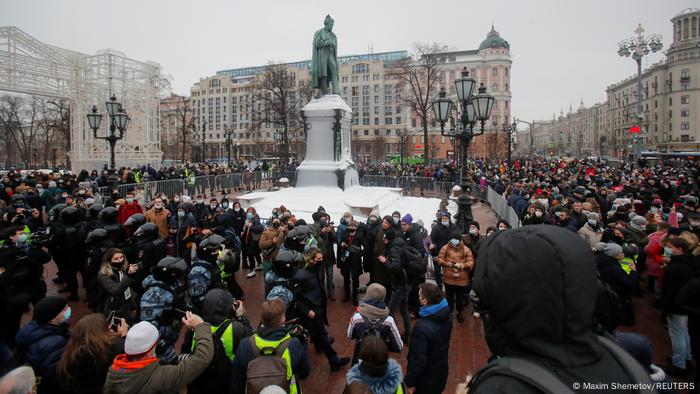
{"x":328,"y":22}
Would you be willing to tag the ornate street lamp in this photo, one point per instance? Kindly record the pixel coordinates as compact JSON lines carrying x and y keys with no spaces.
{"x":473,"y":108}
{"x":228,"y":133}
{"x":637,"y":47}
{"x":118,"y":122}
{"x":509,"y":130}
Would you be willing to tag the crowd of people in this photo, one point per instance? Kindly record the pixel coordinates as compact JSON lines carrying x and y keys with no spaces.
{"x":165,"y":272}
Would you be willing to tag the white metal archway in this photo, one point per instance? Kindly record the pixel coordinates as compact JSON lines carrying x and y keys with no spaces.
{"x":31,"y":67}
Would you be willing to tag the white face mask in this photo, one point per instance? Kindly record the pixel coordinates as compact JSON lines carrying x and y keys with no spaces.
{"x":538,"y":214}
{"x":445,"y":223}
{"x":473,"y":231}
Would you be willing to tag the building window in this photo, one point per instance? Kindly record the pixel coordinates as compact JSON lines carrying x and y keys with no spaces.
{"x":366,"y":132}
{"x":388,"y":132}
{"x":376,"y":88}
{"x":506,"y":71}
{"x":413,"y":122}
{"x":365,"y":121}
{"x":685,"y":126}
{"x":685,"y":99}
{"x":345,"y":90}
{"x":494,"y":72}
{"x":376,"y":110}
{"x":376,"y":120}
{"x":376,"y":132}
{"x":398,"y":120}
{"x":387,"y":120}
{"x":685,"y":112}
{"x":685,"y":138}
{"x":684,"y":86}
{"x":345,"y":79}
{"x":360,"y":68}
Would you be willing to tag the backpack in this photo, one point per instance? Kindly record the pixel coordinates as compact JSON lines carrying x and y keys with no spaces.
{"x":545,"y":381}
{"x":413,"y":263}
{"x":215,"y":376}
{"x":267,"y":367}
{"x":374,"y":328}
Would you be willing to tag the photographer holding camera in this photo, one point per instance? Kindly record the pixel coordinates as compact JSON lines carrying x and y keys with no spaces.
{"x":21,"y":278}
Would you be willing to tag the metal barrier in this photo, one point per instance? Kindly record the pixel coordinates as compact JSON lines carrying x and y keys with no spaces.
{"x":502,"y":209}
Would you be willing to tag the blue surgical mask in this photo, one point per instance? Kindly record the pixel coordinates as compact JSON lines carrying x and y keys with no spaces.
{"x":249,"y":215}
{"x":181,"y":214}
{"x":66,"y":315}
{"x":454,"y":242}
{"x":667,"y":251}
{"x":22,"y":238}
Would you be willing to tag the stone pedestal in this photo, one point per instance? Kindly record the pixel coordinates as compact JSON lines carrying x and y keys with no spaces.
{"x":328,"y":160}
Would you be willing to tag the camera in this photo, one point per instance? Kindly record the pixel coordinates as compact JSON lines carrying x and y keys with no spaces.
{"x":41,"y":238}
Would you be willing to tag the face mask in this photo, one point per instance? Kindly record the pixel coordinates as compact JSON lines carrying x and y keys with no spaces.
{"x":237,"y":209}
{"x":66,"y":315}
{"x":396,"y":220}
{"x":445,"y":223}
{"x":632,"y":215}
{"x":668,"y":251}
{"x":694,"y":223}
{"x":538,"y":214}
{"x":372,"y":219}
{"x":118,"y":262}
{"x":158,"y":207}
{"x":64,"y":196}
{"x":473,"y":231}
{"x":212,"y":206}
{"x":454,"y":242}
{"x":249,"y":215}
{"x":592,"y":223}
{"x":200,"y":201}
{"x":654,"y":210}
{"x":502,"y":228}
{"x":181,"y":214}
{"x":489,"y":233}
{"x":224,"y":205}
{"x":129,"y":200}
{"x":275,"y":225}
{"x":81,"y":192}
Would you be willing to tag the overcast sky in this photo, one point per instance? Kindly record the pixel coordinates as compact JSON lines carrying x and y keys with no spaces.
{"x":562,"y":50}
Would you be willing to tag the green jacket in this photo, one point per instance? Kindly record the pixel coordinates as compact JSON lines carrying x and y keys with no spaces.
{"x":157,"y":378}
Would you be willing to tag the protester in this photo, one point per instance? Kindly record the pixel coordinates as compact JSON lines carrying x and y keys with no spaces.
{"x":457,"y":262}
{"x":380,"y":373}
{"x":137,"y":370}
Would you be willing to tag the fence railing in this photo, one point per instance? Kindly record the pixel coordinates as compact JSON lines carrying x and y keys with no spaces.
{"x":426,"y":186}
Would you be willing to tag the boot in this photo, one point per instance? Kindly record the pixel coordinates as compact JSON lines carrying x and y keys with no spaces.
{"x":354,"y":298}
{"x":460,"y":317}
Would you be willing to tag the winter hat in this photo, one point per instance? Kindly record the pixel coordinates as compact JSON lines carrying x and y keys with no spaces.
{"x":592,"y":216}
{"x":273,"y":389}
{"x":407,"y":218}
{"x":397,"y":213}
{"x":375,"y":292}
{"x":475,"y":224}
{"x":48,"y":308}
{"x":609,"y":249}
{"x":420,"y":223}
{"x":52,"y":184}
{"x":140,"y":338}
{"x":216,"y":306}
{"x":638,"y":222}
{"x":374,"y":213}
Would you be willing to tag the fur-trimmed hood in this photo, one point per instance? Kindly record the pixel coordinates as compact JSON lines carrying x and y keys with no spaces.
{"x":386,"y":384}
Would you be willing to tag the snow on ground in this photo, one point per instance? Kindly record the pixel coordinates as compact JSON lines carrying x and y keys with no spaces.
{"x":359,"y":200}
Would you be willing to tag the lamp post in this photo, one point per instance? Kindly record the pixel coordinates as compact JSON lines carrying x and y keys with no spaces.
{"x":228,"y":132}
{"x":474,"y":108}
{"x":278,"y":136}
{"x":118,"y":121}
{"x":403,"y":135}
{"x":637,"y":47}
{"x":204,"y":141}
{"x":509,"y":129}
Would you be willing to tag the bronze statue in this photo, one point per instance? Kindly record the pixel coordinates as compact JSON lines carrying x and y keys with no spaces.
{"x":324,"y":60}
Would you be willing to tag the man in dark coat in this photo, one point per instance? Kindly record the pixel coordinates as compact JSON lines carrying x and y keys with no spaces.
{"x":311,"y":307}
{"x":540,"y":307}
{"x":428,"y":355}
{"x":439,"y":236}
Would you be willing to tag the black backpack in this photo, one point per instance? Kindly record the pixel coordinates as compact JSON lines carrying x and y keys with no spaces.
{"x":215,"y":379}
{"x":374,"y":328}
{"x":413,"y":263}
{"x":542,"y":379}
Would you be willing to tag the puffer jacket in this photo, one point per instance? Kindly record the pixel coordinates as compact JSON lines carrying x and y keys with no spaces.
{"x":41,"y":346}
{"x":450,"y":255}
{"x":385,"y":384}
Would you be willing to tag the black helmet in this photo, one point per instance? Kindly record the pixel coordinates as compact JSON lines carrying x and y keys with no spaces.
{"x":70,"y":215}
{"x":297,"y":237}
{"x":146,"y":230}
{"x":172,"y":265}
{"x":109,"y":215}
{"x":580,"y":190}
{"x":55,"y":212}
{"x":94,"y":210}
{"x":210,"y":245}
{"x":96,"y":236}
{"x":18,"y":199}
{"x":135,"y":220}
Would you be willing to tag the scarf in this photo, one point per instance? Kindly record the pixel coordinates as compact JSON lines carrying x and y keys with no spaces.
{"x":428,"y":310}
{"x":373,"y":310}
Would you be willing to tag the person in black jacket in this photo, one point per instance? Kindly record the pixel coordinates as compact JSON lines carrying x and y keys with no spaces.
{"x":623,"y":280}
{"x":370,"y":232}
{"x":394,"y":261}
{"x":350,"y":259}
{"x":679,"y":271}
{"x":540,"y":307}
{"x":428,"y":355}
{"x":311,"y":306}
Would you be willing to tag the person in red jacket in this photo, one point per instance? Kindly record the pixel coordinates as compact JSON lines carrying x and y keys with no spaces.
{"x":130,"y":208}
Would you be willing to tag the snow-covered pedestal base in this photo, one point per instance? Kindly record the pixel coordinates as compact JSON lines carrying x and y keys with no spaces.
{"x":328,"y":160}
{"x":359,"y":200}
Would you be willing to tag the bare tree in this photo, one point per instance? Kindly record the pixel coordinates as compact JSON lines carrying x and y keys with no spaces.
{"x":59,"y":110}
{"x":185,"y":122}
{"x":10,"y":121}
{"x":418,"y":78}
{"x":50,"y":123}
{"x":278,"y":97}
{"x":434,"y":147}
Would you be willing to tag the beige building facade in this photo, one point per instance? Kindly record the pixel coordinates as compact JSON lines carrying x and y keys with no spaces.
{"x":382,"y":127}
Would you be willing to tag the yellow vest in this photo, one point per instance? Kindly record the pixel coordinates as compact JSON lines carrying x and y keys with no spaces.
{"x":226,"y":339}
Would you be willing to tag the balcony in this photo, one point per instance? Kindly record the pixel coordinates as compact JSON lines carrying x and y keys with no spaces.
{"x":685,"y":79}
